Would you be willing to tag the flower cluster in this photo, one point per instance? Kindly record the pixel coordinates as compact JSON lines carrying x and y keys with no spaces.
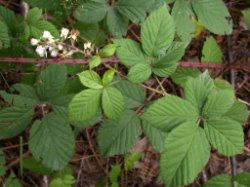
{"x":62,"y":47}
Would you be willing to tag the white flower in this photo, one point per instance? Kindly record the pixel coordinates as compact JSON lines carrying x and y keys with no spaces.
{"x":41,"y":51}
{"x":64,"y":32}
{"x":34,"y":41}
{"x":60,"y":47}
{"x":54,"y":53}
{"x":87,"y":45}
{"x":47,"y":35}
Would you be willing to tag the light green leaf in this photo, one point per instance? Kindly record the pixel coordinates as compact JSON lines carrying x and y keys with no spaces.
{"x":182,"y":13}
{"x":114,"y":173}
{"x":211,"y":52}
{"x":197,"y":89}
{"x":157,"y":32}
{"x":218,"y":103}
{"x":14,"y":120}
{"x":134,"y":10}
{"x":51,"y":81}
{"x":168,"y":64}
{"x":246,"y":14}
{"x":133,"y":94}
{"x":221,"y":84}
{"x":119,"y":137}
{"x":186,"y":152}
{"x":139,"y":73}
{"x":108,"y":50}
{"x":131,"y":159}
{"x":169,"y":112}
{"x":34,"y":15}
{"x":92,"y":11}
{"x":129,"y":52}
{"x":4,"y":37}
{"x":90,"y":79}
{"x":112,"y":103}
{"x":155,"y":136}
{"x":238,"y":112}
{"x":117,"y":24}
{"x":52,"y":141}
{"x":225,"y":135}
{"x":243,"y":178}
{"x":181,"y":76}
{"x":95,"y":61}
{"x":214,"y":15}
{"x":223,"y":180}
{"x":108,"y":77}
{"x":84,"y":105}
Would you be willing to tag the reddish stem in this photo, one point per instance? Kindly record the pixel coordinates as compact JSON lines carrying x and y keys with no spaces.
{"x":112,"y":60}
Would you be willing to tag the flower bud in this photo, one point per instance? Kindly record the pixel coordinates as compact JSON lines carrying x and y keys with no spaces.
{"x":64,"y":32}
{"x":41,"y":51}
{"x":47,"y":35}
{"x":34,"y":41}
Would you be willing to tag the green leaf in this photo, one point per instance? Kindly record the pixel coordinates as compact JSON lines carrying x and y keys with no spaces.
{"x":44,"y":4}
{"x":134,"y":95}
{"x":197,"y":89}
{"x":26,"y":98}
{"x":4,"y":37}
{"x":139,"y":73}
{"x":134,"y":10}
{"x":108,"y":50}
{"x":2,"y":163}
{"x":185,"y":154}
{"x":35,"y":166}
{"x":238,"y":112}
{"x":114,"y":173}
{"x":52,"y":141}
{"x":168,"y":64}
{"x":246,"y":14}
{"x":10,"y":19}
{"x":169,"y":112}
{"x":214,"y":15}
{"x":51,"y":81}
{"x":223,"y":180}
{"x":211,"y":52}
{"x":243,"y":178}
{"x":117,"y":24}
{"x":218,"y":103}
{"x":182,"y":13}
{"x":130,"y":160}
{"x":95,"y":61}
{"x":155,"y":136}
{"x":221,"y":84}
{"x":88,"y":123}
{"x":119,"y":137}
{"x":181,"y":76}
{"x":12,"y":181}
{"x":37,"y":28}
{"x":129,"y":52}
{"x":60,"y":104}
{"x":34,"y":15}
{"x":225,"y":135}
{"x":108,"y":77}
{"x":157,"y":32}
{"x":90,"y":79}
{"x":92,"y":11}
{"x":84,"y":105}
{"x":14,"y":120}
{"x":112,"y":103}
